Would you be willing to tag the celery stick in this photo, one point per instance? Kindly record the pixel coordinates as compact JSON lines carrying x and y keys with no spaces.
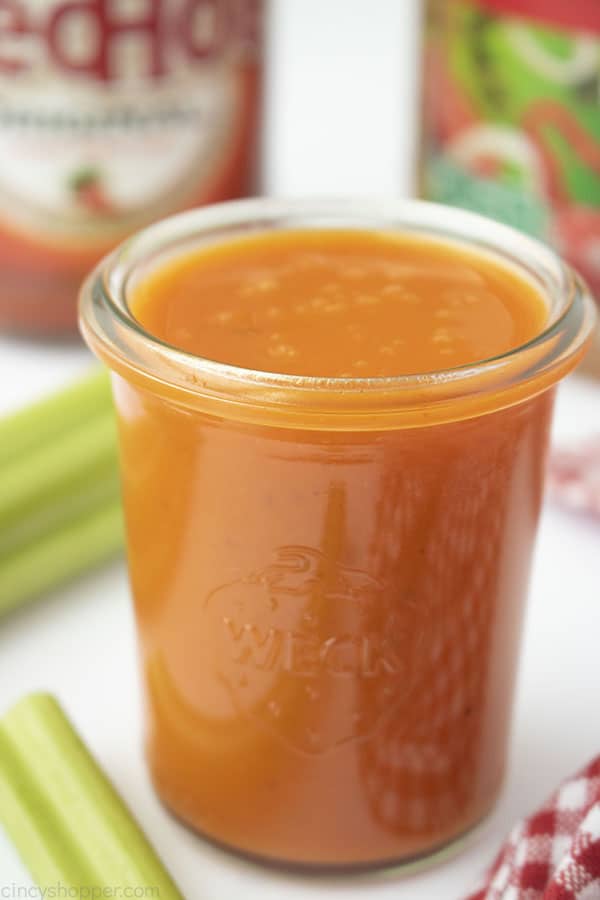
{"x":80,"y":499}
{"x":61,"y":555}
{"x":44,"y":420}
{"x":64,"y":816}
{"x":58,"y":467}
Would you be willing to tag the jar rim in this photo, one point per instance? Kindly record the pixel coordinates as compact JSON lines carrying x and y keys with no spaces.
{"x":121,"y":341}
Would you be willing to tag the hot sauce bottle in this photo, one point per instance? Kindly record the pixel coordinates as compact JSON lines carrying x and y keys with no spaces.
{"x":511,"y":119}
{"x":114,"y":113}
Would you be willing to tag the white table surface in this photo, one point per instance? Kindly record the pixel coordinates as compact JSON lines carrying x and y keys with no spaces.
{"x":340,"y":121}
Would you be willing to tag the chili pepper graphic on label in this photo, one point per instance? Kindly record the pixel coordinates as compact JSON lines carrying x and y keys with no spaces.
{"x":89,"y":192}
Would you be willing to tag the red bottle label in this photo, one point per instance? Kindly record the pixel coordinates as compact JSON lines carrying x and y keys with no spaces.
{"x":114,"y":113}
{"x":581,"y":15}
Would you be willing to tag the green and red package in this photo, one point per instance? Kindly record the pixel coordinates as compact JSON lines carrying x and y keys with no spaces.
{"x":511,"y":117}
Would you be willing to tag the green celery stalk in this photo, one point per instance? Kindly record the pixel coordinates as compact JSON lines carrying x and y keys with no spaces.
{"x":64,"y":816}
{"x":101,"y":491}
{"x":41,"y":422}
{"x":57,"y":468}
{"x":61,"y":555}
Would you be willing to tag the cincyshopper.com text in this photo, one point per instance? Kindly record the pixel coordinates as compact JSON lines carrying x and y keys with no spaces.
{"x":82,"y":892}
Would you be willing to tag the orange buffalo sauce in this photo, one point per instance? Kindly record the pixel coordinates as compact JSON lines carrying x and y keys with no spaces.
{"x":330,"y":619}
{"x":347,"y":303}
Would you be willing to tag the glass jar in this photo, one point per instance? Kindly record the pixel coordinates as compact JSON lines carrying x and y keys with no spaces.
{"x":329,"y":574}
{"x":511,"y":120}
{"x":112,"y":115}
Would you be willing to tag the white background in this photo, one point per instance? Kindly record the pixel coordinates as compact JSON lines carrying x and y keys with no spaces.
{"x":341,"y":120}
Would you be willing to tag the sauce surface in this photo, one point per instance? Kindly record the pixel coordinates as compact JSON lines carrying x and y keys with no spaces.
{"x":339,"y":304}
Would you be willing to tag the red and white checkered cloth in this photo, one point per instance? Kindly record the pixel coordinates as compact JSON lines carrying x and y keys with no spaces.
{"x":554,"y":854}
{"x":574,"y":477}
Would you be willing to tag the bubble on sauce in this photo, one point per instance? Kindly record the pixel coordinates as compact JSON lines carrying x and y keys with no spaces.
{"x":367,"y":300}
{"x":392,"y":290}
{"x":266,"y":284}
{"x":274,"y":708}
{"x":334,"y":307}
{"x":308,"y":260}
{"x":259,"y":286}
{"x":326,"y":305}
{"x":354,"y":272}
{"x":360,"y":364}
{"x":312,"y":692}
{"x":454,"y":297}
{"x":411,"y":297}
{"x":221,"y":318}
{"x":182,"y":334}
{"x":355,"y":331}
{"x":282,"y":351}
{"x":273,"y":312}
{"x":442,"y":336}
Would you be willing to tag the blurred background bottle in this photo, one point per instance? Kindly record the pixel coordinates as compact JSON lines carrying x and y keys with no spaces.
{"x":511,"y":119}
{"x":114,"y":113}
